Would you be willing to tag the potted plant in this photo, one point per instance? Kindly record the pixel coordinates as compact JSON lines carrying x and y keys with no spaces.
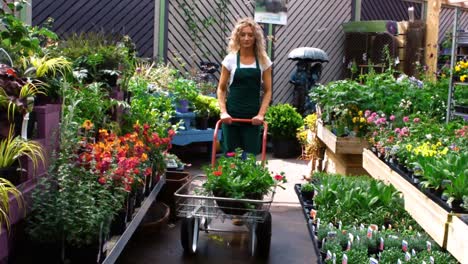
{"x":283,"y":122}
{"x":12,"y":149}
{"x":205,"y":107}
{"x":307,"y":191}
{"x":238,"y":178}
{"x":7,"y":189}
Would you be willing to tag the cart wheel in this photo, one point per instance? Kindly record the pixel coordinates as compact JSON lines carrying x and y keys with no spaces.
{"x":263,"y":234}
{"x":189,"y":234}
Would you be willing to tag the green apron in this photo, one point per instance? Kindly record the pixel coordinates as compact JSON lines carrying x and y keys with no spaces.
{"x":243,"y":101}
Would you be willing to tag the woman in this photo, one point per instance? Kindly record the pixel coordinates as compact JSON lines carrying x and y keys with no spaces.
{"x":244,"y":70}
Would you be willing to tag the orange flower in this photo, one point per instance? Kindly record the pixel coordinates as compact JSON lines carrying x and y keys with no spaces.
{"x":87,"y":125}
{"x":217,"y":173}
{"x":144,"y":157}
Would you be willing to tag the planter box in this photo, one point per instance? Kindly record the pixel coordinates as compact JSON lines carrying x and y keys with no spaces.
{"x":457,"y":239}
{"x":346,"y":164}
{"x":431,"y":216}
{"x":340,"y":145}
{"x":343,"y":154}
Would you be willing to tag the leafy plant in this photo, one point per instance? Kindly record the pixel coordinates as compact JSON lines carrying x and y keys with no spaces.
{"x":283,"y":121}
{"x":12,"y":148}
{"x":237,"y":178}
{"x":307,"y":187}
{"x":206,"y":106}
{"x":7,"y":189}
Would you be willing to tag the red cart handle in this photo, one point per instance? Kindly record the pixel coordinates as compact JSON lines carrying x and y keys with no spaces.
{"x":239,"y":120}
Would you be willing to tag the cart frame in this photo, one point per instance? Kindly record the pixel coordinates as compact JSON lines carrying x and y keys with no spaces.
{"x":199,"y":209}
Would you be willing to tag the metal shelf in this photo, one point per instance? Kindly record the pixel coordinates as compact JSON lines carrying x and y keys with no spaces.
{"x":119,"y":242}
{"x":461,"y":83}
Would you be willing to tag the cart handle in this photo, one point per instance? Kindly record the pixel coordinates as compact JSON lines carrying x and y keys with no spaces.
{"x":239,"y":120}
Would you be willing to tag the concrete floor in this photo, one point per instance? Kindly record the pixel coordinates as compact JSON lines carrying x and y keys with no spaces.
{"x":290,"y":239}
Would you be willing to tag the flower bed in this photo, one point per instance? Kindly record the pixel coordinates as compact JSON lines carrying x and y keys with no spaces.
{"x":358,"y":237}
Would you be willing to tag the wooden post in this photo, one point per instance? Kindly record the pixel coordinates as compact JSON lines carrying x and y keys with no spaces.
{"x":432,"y":36}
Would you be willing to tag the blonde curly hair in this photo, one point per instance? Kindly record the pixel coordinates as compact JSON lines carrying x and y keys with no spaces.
{"x":260,"y":43}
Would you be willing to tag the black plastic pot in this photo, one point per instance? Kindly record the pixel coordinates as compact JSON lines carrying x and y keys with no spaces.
{"x":286,"y":148}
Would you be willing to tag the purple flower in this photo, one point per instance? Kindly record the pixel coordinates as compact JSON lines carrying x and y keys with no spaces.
{"x":406,"y":119}
{"x":392,"y":118}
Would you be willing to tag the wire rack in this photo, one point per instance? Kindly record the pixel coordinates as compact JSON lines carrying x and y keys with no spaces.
{"x":193,"y":201}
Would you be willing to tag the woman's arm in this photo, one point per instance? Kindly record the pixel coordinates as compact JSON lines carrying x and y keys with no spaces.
{"x":221,"y":94}
{"x":258,"y":119}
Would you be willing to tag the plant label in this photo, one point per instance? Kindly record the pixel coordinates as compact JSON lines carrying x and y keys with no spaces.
{"x":345,"y":259}
{"x":351,"y":237}
{"x":340,"y":224}
{"x":329,"y":255}
{"x":348,"y":246}
{"x":428,"y":246}
{"x":318,"y":224}
{"x":381,"y":245}
{"x":373,"y":261}
{"x":407,"y":256}
{"x":369,"y":233}
{"x":413,"y":252}
{"x":431,"y":260}
{"x":404,"y":246}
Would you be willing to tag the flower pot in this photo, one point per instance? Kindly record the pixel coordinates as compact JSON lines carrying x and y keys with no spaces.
{"x":131,"y":200}
{"x":201,"y":123}
{"x":118,"y":223}
{"x":148,"y":184}
{"x":174,"y":180}
{"x":85,"y":254}
{"x":11,"y":174}
{"x":235,"y":207}
{"x":286,"y":148}
{"x":139,"y":195}
{"x":47,"y":252}
{"x":461,"y":109}
{"x":155,"y":219}
{"x":307,"y":196}
{"x":182,"y":106}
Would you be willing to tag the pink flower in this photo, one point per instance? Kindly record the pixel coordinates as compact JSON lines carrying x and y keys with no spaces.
{"x":397,"y":130}
{"x":374,"y":114}
{"x":416,"y":120}
{"x":405,"y":119}
{"x":231,"y":154}
{"x":279,"y":177}
{"x":392,"y":117}
{"x":367,"y":113}
{"x":370,"y":119}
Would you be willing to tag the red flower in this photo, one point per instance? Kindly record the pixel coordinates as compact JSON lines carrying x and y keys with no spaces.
{"x":171,"y":133}
{"x":231,"y":154}
{"x":279,"y":177}
{"x":136,"y":127}
{"x":102,"y":180}
{"x":217,"y":173}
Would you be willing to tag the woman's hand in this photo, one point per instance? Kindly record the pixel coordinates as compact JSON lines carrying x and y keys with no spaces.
{"x":226,"y":118}
{"x":257,"y":120}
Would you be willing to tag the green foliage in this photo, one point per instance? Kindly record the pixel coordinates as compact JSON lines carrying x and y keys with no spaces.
{"x":17,"y":38}
{"x":13,"y":148}
{"x":7,"y":189}
{"x":148,"y":107}
{"x":357,"y":200}
{"x":283,"y":121}
{"x":99,"y":58}
{"x":206,"y":106}
{"x":238,"y":178}
{"x":307,"y":187}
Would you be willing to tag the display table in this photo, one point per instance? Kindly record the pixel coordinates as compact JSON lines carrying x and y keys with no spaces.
{"x":185,"y":137}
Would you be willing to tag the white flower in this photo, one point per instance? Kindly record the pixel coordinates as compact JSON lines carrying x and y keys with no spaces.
{"x":428,"y":136}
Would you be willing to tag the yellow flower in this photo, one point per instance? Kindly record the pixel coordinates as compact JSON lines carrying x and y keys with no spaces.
{"x":87,"y":125}
{"x":462,"y":78}
{"x":457,"y":68}
{"x":409,"y":147}
{"x":362,"y":120}
{"x":360,"y":113}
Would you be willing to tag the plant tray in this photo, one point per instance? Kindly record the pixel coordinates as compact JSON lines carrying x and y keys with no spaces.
{"x":430,"y":215}
{"x":457,"y":239}
{"x":340,"y":145}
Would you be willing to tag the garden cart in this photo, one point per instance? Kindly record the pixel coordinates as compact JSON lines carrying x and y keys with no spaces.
{"x":199,"y":208}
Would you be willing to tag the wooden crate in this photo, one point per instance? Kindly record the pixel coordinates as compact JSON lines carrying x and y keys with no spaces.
{"x":457,"y":239}
{"x":346,"y":164}
{"x":429,"y":215}
{"x":340,"y":145}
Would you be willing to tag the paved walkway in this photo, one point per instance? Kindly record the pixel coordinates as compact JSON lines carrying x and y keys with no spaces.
{"x":290,"y":239}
